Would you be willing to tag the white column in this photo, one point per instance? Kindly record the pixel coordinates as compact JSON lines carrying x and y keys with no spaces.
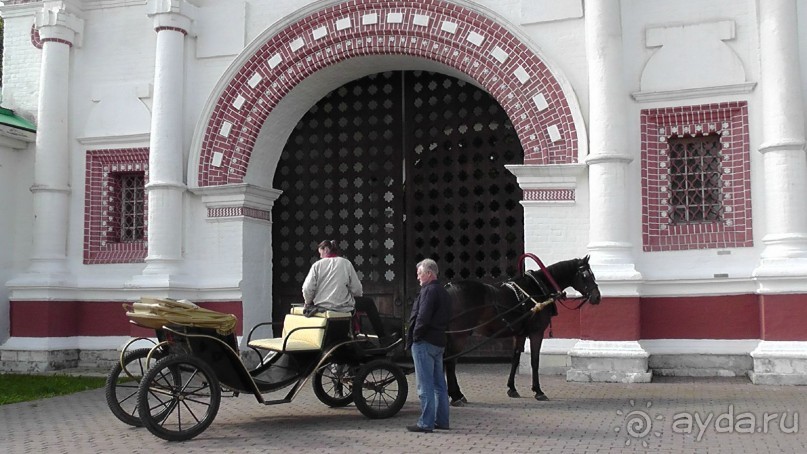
{"x":58,"y":28}
{"x":783,"y":264}
{"x":610,"y":217}
{"x":783,"y":142}
{"x":166,"y":187}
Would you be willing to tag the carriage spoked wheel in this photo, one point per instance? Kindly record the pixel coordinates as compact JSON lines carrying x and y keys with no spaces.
{"x":123,"y":381}
{"x":333,"y":384}
{"x":380,"y":389}
{"x":178,"y":397}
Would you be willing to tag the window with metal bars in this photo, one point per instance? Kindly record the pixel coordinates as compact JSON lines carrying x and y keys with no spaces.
{"x":695,"y":168}
{"x":132,"y":206}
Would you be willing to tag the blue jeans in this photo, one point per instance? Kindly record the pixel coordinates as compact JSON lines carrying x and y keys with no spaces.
{"x":431,"y":384}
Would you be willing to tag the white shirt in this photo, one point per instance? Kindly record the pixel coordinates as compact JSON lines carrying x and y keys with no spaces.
{"x":331,"y":284}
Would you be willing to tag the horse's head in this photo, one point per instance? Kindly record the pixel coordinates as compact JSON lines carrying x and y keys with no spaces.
{"x":584,"y":281}
{"x":575,"y":273}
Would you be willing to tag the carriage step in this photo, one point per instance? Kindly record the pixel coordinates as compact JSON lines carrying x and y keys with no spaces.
{"x":275,"y":402}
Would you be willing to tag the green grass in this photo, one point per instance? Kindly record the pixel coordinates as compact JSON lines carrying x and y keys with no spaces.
{"x":23,"y":388}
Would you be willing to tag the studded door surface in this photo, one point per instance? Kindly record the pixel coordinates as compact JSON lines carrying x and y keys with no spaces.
{"x":462,"y":204}
{"x":341,"y":178}
{"x":397,"y":167}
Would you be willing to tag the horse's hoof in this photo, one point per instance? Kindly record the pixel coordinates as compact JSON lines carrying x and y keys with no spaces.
{"x":459,"y":402}
{"x":513,"y":393}
{"x":541,"y":396}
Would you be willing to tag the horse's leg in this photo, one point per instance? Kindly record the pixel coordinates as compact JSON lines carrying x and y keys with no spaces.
{"x":518,"y":348}
{"x":536,"y":339}
{"x":454,"y":393}
{"x":450,"y":366}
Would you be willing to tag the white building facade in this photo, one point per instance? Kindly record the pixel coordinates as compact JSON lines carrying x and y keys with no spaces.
{"x":664,"y":139}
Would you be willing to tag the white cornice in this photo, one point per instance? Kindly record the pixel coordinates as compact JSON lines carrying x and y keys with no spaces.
{"x":687,"y":93}
{"x":128,"y":139}
{"x":101,"y":4}
{"x":547,"y":176}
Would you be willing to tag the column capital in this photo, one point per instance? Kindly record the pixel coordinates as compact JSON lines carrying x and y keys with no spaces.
{"x":60,"y":21}
{"x":177,"y":15}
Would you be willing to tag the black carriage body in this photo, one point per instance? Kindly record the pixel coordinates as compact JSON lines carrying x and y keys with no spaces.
{"x":178,"y":397}
{"x":282,"y":369}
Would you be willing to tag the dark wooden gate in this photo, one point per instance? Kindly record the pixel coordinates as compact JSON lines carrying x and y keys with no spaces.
{"x":396,"y":167}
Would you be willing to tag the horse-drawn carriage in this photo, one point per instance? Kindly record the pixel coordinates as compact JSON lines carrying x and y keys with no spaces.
{"x":174,"y":388}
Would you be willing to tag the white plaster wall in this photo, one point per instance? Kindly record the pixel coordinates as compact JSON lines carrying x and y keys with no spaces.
{"x":20,"y":87}
{"x":557,"y":231}
{"x":801,"y":6}
{"x":16,"y":168}
{"x":114,"y":65}
{"x":21,"y":61}
{"x":637,"y":16}
{"x":213,"y":252}
{"x":118,"y":50}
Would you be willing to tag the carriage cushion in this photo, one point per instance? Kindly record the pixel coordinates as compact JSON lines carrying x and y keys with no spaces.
{"x":308,"y":338}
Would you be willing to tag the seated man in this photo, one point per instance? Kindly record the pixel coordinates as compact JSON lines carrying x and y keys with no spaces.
{"x":332,"y":284}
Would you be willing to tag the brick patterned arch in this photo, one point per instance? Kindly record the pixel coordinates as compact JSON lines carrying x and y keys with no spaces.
{"x":466,"y":40}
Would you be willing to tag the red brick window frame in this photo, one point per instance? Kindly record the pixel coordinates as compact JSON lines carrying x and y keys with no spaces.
{"x":730,"y":122}
{"x":104,"y":170}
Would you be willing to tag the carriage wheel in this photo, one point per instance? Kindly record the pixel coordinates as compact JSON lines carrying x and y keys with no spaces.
{"x":178,"y":398}
{"x":333,"y":384}
{"x":380,"y":389}
{"x":123,"y":382}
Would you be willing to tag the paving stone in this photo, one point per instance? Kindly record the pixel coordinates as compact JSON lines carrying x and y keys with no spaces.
{"x":579,"y":418}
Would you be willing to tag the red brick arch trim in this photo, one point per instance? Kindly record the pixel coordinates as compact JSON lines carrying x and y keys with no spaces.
{"x":451,"y":34}
{"x":36,"y":40}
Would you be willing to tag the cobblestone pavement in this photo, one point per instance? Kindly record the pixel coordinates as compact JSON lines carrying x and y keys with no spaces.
{"x":668,"y":415}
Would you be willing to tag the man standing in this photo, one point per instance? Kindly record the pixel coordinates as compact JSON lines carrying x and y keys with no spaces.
{"x":427,"y":339}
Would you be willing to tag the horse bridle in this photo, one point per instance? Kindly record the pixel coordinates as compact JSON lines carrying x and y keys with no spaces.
{"x":584,"y":271}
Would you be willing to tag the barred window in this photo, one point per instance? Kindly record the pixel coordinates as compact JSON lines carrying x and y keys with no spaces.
{"x":132,"y":206}
{"x":695,"y":167}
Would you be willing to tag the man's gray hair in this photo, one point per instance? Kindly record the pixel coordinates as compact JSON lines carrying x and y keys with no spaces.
{"x":428,"y":265}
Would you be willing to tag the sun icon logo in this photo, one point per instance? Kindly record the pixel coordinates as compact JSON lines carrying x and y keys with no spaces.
{"x":638,"y":424}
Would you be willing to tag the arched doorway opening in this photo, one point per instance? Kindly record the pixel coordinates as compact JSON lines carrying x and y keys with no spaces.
{"x":398,"y":166}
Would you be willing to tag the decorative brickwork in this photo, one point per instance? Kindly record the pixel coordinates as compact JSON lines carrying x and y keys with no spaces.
{"x":101,"y":220}
{"x":36,"y":41}
{"x":171,"y":29}
{"x":432,"y":29}
{"x":229,"y":212}
{"x":549,"y":195}
{"x":56,"y":40}
{"x":733,"y":228}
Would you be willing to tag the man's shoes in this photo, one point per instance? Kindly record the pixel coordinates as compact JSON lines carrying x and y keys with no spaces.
{"x":441,"y":427}
{"x":417,"y":428}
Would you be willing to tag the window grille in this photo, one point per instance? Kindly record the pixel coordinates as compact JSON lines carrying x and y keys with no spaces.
{"x":695,"y":179}
{"x":132,"y":203}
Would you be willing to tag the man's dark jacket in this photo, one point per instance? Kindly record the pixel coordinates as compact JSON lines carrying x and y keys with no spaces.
{"x":430,"y":315}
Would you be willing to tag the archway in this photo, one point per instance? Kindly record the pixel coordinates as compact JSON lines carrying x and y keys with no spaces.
{"x":396,"y":167}
{"x":539,"y":102}
{"x":252,"y":110}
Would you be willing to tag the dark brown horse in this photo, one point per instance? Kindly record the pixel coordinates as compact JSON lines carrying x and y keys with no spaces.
{"x":509,"y":310}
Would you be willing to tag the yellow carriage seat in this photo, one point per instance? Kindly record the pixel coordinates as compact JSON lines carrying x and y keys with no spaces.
{"x":300,"y":333}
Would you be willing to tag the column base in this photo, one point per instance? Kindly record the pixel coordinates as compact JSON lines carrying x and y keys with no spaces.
{"x":165,"y":280}
{"x":44,"y":273}
{"x":554,"y":357}
{"x":781,"y":267}
{"x":613,"y":261}
{"x":779,"y":363}
{"x":47,"y":279}
{"x":608,"y":361}
{"x":159,"y":273}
